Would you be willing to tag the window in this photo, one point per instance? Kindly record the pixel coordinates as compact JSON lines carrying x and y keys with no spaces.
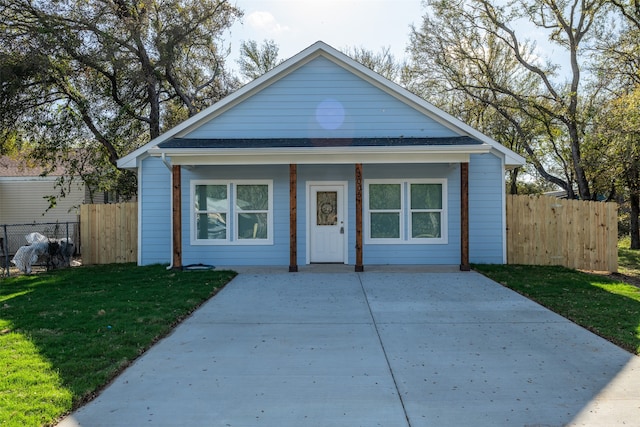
{"x":211,"y":209}
{"x":405,"y":211}
{"x":237,"y":212}
{"x":252,"y":211}
{"x":385,"y":210}
{"x":426,"y":211}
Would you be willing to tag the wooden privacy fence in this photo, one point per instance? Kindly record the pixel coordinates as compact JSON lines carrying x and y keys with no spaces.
{"x":577,"y":234}
{"x":109,"y":233}
{"x":540,"y":231}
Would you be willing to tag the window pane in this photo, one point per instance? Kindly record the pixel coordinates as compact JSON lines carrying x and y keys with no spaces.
{"x":211,"y":226}
{"x":384,"y":196}
{"x":425,"y":225}
{"x":426,"y":196}
{"x":211,"y":197}
{"x":327,"y":207}
{"x":252,"y":226}
{"x":385,"y":225}
{"x":252,"y":197}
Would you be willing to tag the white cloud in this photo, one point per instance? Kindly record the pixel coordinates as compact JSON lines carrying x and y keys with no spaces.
{"x":265,"y":21}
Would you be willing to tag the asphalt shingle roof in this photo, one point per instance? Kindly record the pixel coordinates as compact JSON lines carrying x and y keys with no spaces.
{"x":19,"y":167}
{"x":314,"y":142}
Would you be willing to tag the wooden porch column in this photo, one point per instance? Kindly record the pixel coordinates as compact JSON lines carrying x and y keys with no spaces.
{"x":177,"y":216}
{"x":359,"y":263}
{"x":293,"y":218}
{"x":464,"y":217}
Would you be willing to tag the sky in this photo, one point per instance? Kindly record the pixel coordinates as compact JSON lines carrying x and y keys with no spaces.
{"x":294,"y":25}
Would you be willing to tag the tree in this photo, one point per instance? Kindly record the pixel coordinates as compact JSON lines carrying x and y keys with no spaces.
{"x":255,"y":61}
{"x":473,"y":48}
{"x":617,"y":132}
{"x":383,"y":62}
{"x":464,"y":88}
{"x":624,"y":51}
{"x":98,"y":79}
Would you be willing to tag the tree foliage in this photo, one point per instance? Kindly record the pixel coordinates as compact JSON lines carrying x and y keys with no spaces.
{"x":256,"y":60}
{"x":92,"y":80}
{"x":382,"y":62}
{"x":474,"y":50}
{"x":616,"y":133}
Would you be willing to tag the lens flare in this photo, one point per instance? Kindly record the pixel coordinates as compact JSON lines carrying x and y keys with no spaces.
{"x":330,"y":114}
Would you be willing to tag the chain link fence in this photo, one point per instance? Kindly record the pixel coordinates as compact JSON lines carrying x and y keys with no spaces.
{"x":13,"y":237}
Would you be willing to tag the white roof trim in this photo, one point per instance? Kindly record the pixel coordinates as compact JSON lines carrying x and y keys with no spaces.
{"x":323,"y":155}
{"x":320,"y":48}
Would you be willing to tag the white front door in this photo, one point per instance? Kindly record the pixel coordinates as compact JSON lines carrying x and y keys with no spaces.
{"x":327,"y":223}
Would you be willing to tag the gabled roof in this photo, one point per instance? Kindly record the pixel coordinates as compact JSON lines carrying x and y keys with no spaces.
{"x":14,"y":167}
{"x":197,"y":143}
{"x":169,"y":143}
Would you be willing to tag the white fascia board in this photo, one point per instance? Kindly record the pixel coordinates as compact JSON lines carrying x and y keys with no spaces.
{"x":334,"y":155}
{"x":325,"y":159}
{"x":512,"y":159}
{"x":319,"y":48}
{"x":130,"y":160}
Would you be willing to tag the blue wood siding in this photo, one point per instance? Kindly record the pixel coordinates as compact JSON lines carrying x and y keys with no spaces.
{"x":288,"y":109}
{"x":323,"y":100}
{"x":486,"y":209}
{"x":448,"y":253}
{"x":486,"y":226}
{"x":276,"y":254}
{"x":155,"y":204}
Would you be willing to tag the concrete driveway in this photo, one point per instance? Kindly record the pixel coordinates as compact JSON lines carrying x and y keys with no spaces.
{"x":377,"y":348}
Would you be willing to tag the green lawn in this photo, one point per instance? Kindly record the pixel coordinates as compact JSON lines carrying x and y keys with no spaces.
{"x":628,"y":259}
{"x":607,"y":307}
{"x":65,"y":334}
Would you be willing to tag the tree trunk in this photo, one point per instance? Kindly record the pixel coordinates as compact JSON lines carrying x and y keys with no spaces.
{"x":151,"y":80}
{"x":581,"y":179}
{"x":634,"y":200}
{"x":513,"y":184}
{"x":634,"y":230}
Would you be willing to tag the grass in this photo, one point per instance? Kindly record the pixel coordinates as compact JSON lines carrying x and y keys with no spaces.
{"x":628,"y":259}
{"x":65,"y":334}
{"x":607,"y":307}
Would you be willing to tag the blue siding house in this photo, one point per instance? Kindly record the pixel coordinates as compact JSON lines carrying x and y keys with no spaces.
{"x":321,"y":160}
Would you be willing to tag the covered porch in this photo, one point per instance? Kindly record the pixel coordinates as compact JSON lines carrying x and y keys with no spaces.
{"x":365,"y":157}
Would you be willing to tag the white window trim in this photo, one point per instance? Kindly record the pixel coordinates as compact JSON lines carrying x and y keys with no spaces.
{"x":443,"y":239}
{"x":232,"y":214}
{"x":367,"y":215}
{"x":193,"y":230}
{"x":405,"y":213}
